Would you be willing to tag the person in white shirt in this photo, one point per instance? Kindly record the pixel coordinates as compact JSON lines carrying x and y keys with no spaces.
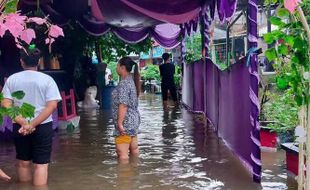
{"x":32,"y":136}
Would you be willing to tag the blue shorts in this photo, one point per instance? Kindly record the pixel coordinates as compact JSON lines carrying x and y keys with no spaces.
{"x":36,"y":147}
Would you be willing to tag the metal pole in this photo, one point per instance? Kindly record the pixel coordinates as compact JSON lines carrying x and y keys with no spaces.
{"x":229,"y":25}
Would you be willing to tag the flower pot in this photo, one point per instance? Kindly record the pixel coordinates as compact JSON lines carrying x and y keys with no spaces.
{"x":291,"y":157}
{"x":268,"y":138}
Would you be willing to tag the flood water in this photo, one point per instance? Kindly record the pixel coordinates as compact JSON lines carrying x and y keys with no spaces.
{"x":177,"y":152}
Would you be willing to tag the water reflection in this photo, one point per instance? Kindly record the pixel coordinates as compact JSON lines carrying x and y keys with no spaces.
{"x":178,"y":151}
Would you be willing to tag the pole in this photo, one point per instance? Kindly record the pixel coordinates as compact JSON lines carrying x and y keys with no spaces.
{"x":305,"y":123}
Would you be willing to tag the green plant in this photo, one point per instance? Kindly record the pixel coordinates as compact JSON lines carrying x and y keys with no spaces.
{"x":193,"y":48}
{"x":177,"y":76}
{"x":150,"y":72}
{"x":113,"y":65}
{"x":25,"y":110}
{"x":290,"y":54}
{"x":282,"y":112}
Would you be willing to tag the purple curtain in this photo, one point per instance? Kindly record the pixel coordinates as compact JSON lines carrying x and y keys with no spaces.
{"x":212,"y":93}
{"x":167,"y":35}
{"x":6,"y":130}
{"x":253,"y":90}
{"x":134,"y":20}
{"x":227,"y":104}
{"x":226,"y":8}
{"x":198,"y":84}
{"x":187,"y":86}
{"x":234,"y":109}
{"x":173,"y":11}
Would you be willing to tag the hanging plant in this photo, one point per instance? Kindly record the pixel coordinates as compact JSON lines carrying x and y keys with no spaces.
{"x":18,"y":25}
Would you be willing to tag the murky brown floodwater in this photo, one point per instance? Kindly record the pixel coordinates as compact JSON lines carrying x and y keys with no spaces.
{"x":174,"y":155}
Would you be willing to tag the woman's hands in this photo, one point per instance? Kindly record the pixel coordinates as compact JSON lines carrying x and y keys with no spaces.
{"x":121,"y":129}
{"x":4,"y":177}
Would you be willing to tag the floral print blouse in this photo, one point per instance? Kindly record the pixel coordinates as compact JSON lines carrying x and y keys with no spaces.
{"x":125,"y":93}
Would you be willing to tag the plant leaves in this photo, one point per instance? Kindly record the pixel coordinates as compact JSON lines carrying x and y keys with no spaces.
{"x":290,"y":40}
{"x":283,"y":13}
{"x":269,"y":38}
{"x":18,"y":95}
{"x":298,"y":99}
{"x":11,"y":6}
{"x":13,"y":112}
{"x":1,"y":120}
{"x":276,"y":21}
{"x":1,"y":97}
{"x":271,"y":54}
{"x":282,"y":49}
{"x":27,"y":110}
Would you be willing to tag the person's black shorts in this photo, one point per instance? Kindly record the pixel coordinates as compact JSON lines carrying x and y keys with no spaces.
{"x":36,"y":147}
{"x":171,"y":88}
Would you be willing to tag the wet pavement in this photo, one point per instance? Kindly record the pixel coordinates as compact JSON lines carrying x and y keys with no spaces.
{"x":177,"y":152}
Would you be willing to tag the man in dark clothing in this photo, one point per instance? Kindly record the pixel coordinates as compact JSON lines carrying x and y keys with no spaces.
{"x":167,"y":71}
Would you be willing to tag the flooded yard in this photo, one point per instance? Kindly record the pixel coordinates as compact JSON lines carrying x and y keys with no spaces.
{"x":177,"y":152}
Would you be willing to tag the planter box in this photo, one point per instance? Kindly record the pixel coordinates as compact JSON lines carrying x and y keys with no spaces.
{"x":291,"y":157}
{"x":268,"y":138}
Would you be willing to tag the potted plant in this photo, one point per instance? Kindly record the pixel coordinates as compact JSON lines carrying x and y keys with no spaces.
{"x":281,"y":118}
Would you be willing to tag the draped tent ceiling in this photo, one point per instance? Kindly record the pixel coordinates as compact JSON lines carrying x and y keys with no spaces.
{"x":135,"y":20}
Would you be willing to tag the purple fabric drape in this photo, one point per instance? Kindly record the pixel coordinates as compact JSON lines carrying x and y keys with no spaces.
{"x":167,"y":35}
{"x":226,"y":8}
{"x":234,"y":109}
{"x":198,"y":85}
{"x":253,"y":91}
{"x":134,"y":20}
{"x":131,"y":36}
{"x":6,"y":130}
{"x":174,"y":11}
{"x":118,"y":14}
{"x":94,"y":27}
{"x":187,"y":86}
{"x":212,"y":93}
{"x":226,"y":101}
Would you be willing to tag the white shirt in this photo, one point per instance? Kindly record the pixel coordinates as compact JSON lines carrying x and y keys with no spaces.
{"x":38,"y":87}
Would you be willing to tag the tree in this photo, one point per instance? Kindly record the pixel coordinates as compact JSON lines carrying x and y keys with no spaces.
{"x":193,"y":48}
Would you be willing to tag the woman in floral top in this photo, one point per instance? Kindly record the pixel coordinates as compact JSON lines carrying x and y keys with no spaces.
{"x":125,"y":109}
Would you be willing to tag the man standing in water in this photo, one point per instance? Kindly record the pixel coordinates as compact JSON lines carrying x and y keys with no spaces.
{"x":167,"y":70}
{"x":32,"y":137}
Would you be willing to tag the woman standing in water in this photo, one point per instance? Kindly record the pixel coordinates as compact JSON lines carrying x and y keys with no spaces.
{"x":125,"y":109}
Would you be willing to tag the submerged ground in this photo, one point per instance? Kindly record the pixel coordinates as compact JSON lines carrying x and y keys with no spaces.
{"x":177,"y":152}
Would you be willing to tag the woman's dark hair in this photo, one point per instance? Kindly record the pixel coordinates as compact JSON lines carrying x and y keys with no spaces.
{"x":31,"y":57}
{"x":129,"y":63}
{"x":166,"y":56}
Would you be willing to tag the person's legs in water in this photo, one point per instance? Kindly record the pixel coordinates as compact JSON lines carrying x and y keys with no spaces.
{"x":24,"y":171}
{"x":42,"y":148}
{"x":40,"y":174}
{"x":122,"y":148}
{"x":134,"y":148}
{"x":23,"y":147}
{"x":164,"y":93}
{"x":173,"y":92}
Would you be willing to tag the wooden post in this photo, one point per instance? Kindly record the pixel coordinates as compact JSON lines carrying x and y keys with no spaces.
{"x":305,"y":124}
{"x":301,"y":153}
